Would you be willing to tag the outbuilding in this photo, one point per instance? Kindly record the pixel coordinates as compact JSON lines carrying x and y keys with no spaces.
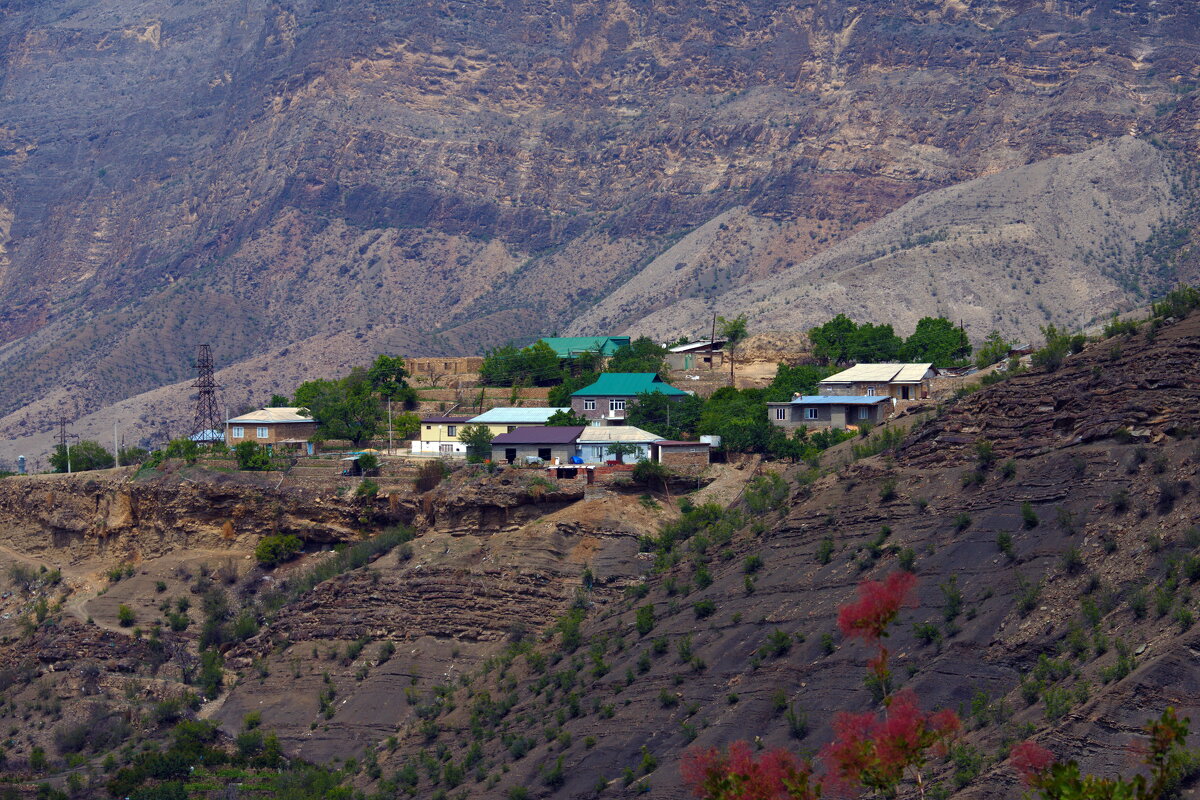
{"x":678,"y":454}
{"x":901,"y":381}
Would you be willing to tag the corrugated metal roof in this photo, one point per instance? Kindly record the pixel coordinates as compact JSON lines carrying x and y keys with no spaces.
{"x":880,"y":373}
{"x":273,"y":415}
{"x":678,"y":443}
{"x":516,"y":416}
{"x":540,"y":434}
{"x":831,"y":400}
{"x":602,"y":434}
{"x":627,"y":384}
{"x":446,"y":420}
{"x":686,"y":348}
{"x":571,"y":346}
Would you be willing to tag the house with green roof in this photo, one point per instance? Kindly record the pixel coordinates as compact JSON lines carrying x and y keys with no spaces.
{"x":572,"y":346}
{"x":603,"y":402}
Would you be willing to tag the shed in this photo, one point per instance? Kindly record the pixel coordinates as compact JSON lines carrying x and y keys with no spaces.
{"x":704,"y":354}
{"x":672,"y":453}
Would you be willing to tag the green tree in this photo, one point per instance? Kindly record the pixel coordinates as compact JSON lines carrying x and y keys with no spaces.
{"x":561,"y":395}
{"x":406,"y":425}
{"x":182,"y":448}
{"x":389,"y":377}
{"x":791,"y":381}
{"x":875,"y":344}
{"x":640,"y":355}
{"x":535,"y":365}
{"x":739,"y":418}
{"x":621,"y":449}
{"x":276,"y":549}
{"x":343,"y":409}
{"x":278,"y":401}
{"x":833,"y":341}
{"x":937,"y":340}
{"x":566,"y":418}
{"x":669,"y":417}
{"x":478,"y":439}
{"x":84,"y":456}
{"x":733,"y":331}
{"x":133,"y":455}
{"x":252,"y":457}
{"x":993,"y":350}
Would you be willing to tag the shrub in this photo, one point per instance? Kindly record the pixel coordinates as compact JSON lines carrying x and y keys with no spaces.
{"x":962,"y":521}
{"x":277,"y":548}
{"x":704,"y":608}
{"x":777,"y":644}
{"x":1027,"y":595}
{"x":1004,"y":543}
{"x":367,"y":489}
{"x":650,"y":473}
{"x":825,"y":551}
{"x":1072,"y":561}
{"x":907,"y":559}
{"x":1028,"y":516}
{"x":645,"y":620}
{"x":250,"y":456}
{"x":125,"y":616}
{"x":887,"y":492}
{"x":752,"y":564}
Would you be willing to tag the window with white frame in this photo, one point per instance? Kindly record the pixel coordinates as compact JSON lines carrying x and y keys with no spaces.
{"x":870,"y":391}
{"x":864,"y":412}
{"x":239,"y":432}
{"x":263,"y":432}
{"x":589,"y":405}
{"x":616,"y":405}
{"x":781,"y":413}
{"x":810,"y":413}
{"x":452,"y":430}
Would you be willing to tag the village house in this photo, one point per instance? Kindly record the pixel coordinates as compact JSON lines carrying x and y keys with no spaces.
{"x":532,"y":443}
{"x":507,"y":420}
{"x":595,"y":443}
{"x":604,"y":402}
{"x":573,"y":346}
{"x":439,"y":437}
{"x":272,"y":427}
{"x":900,"y":381}
{"x":829,"y":411}
{"x":697,"y":355}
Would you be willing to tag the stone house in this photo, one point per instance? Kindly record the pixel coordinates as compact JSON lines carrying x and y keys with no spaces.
{"x":681,"y":455}
{"x":829,"y":411}
{"x":604,"y":402}
{"x":901,"y":381}
{"x":271,"y":427}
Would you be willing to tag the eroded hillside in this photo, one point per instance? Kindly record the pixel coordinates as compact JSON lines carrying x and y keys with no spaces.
{"x":574,"y":642}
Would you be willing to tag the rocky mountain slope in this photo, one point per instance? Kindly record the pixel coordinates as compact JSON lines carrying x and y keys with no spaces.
{"x":1050,"y":520}
{"x":254,"y":174}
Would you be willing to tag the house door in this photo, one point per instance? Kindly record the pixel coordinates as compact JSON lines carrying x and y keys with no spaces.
{"x":510,"y":454}
{"x":446,"y":449}
{"x":903,"y":392}
{"x":544,"y":453}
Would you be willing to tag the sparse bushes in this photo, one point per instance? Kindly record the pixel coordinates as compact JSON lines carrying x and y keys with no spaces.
{"x":277,"y":548}
{"x":1029,"y":517}
{"x":250,"y":456}
{"x":825,"y":551}
{"x":125,"y":616}
{"x":1004,"y":543}
{"x":644,"y":621}
{"x":1027,"y":596}
{"x":430,"y":474}
{"x":778,"y":643}
{"x":767,"y":492}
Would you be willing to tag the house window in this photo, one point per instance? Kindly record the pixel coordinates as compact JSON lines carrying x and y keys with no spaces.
{"x":452,"y":430}
{"x":544,"y":453}
{"x":870,"y":391}
{"x":238,"y":431}
{"x":589,"y":405}
{"x":781,"y":413}
{"x":263,"y":433}
{"x":616,"y":405}
{"x":512,"y":428}
{"x":864,"y":412}
{"x":810,"y":413}
{"x":428,"y":427}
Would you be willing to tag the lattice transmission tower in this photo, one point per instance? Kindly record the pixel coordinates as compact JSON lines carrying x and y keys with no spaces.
{"x":208,"y":410}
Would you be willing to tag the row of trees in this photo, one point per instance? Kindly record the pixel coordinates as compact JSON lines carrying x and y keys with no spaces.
{"x":843,"y":341}
{"x":539,"y":365}
{"x":354,"y":407}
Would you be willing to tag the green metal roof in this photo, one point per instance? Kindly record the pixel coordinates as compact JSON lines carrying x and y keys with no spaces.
{"x":571,"y":346}
{"x":627,"y":384}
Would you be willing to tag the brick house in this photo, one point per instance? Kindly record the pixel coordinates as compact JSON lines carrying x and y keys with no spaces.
{"x":270,"y":427}
{"x":604,"y":402}
{"x":829,"y":411}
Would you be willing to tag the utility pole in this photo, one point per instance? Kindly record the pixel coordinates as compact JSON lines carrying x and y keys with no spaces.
{"x":116,"y":445}
{"x":389,"y":426}
{"x":62,"y":440}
